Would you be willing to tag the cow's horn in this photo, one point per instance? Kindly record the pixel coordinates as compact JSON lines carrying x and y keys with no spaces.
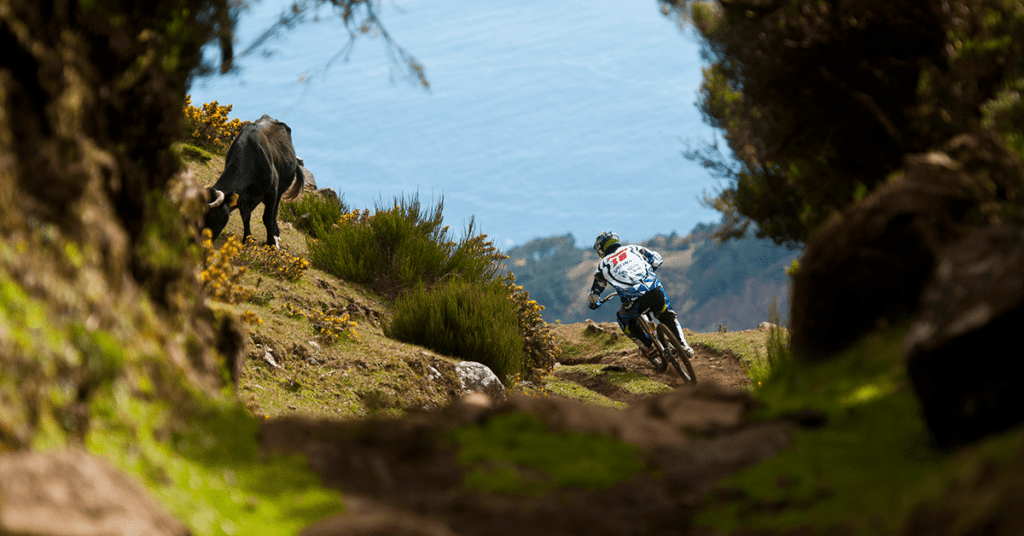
{"x":220,"y":199}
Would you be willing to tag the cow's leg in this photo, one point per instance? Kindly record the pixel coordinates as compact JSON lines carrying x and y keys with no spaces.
{"x":270,"y":220}
{"x":246,"y":213}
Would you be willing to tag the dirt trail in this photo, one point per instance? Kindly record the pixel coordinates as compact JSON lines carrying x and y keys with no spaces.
{"x":709,"y":366}
{"x":401,"y":475}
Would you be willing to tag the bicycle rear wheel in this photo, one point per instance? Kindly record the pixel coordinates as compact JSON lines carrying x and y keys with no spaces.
{"x":676,"y":354}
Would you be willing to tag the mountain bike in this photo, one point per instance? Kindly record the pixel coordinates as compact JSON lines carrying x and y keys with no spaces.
{"x":666,"y":348}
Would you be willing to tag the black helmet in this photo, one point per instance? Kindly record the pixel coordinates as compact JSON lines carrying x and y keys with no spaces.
{"x":605,"y":242}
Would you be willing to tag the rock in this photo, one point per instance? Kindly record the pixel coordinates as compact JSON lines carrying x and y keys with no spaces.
{"x":958,"y":349}
{"x":309,"y":182}
{"x":704,"y":409}
{"x":328,"y":193}
{"x":268,"y":356}
{"x":71,"y":492}
{"x":593,"y":329}
{"x":766,"y":326}
{"x":476,"y":377}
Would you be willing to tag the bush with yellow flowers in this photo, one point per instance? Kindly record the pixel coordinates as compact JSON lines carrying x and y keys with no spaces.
{"x":209,"y":127}
{"x":329,"y":328}
{"x":272,"y":261}
{"x":541,"y":351}
{"x":221,"y":276}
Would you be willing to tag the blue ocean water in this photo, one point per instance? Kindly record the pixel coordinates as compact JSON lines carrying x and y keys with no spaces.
{"x":543,"y":117}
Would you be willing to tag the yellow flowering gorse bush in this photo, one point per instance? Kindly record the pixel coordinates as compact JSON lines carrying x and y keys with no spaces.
{"x":209,"y":126}
{"x":273,"y":261}
{"x":327,"y":327}
{"x":356,"y":217}
{"x":539,"y":344}
{"x":221,"y":276}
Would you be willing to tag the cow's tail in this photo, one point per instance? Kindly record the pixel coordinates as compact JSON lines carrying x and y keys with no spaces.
{"x":298,"y":182}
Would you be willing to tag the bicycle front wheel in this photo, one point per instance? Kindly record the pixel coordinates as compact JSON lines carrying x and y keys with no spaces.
{"x":676,"y":354}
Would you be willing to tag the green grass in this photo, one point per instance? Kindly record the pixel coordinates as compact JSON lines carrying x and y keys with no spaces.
{"x":630,"y":381}
{"x":516,"y":453}
{"x":209,"y":474}
{"x":576,"y":391}
{"x":857,"y":474}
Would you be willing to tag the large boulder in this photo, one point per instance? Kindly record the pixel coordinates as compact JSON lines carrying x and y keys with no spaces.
{"x":75,"y":494}
{"x":960,"y":347}
{"x":866,"y":269}
{"x":478,"y":378}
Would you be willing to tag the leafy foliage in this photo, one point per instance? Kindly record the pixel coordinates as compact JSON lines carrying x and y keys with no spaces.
{"x":404,"y":251}
{"x":818,"y":102}
{"x":209,"y":127}
{"x":398,"y":248}
{"x":221,"y":276}
{"x":272,"y":261}
{"x":327,"y":326}
{"x":541,"y":351}
{"x":469,"y":319}
{"x":314,"y":214}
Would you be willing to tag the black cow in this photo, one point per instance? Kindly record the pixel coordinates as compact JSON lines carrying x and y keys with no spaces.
{"x":260,"y":167}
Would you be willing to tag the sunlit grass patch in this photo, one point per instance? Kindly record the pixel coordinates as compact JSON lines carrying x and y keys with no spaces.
{"x":210,"y":474}
{"x":576,"y":391}
{"x":516,"y":453}
{"x":856,"y":471}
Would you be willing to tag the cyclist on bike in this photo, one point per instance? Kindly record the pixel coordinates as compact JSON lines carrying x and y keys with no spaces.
{"x":630,"y":270}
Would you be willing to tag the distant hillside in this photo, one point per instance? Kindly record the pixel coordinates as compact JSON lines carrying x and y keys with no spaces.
{"x":708,"y":283}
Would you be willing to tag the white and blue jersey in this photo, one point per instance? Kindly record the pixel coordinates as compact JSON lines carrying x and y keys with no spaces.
{"x":630,"y":271}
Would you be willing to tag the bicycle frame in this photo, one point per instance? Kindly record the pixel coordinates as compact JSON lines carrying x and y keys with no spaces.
{"x":675,"y":356}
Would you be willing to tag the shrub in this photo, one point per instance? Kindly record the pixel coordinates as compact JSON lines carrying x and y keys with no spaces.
{"x":464,"y":319}
{"x":405,"y":249}
{"x":328,"y":327}
{"x":272,"y":261}
{"x":221,"y":277}
{"x":315,"y":214}
{"x":209,"y":127}
{"x":399,"y":248}
{"x":541,"y":352}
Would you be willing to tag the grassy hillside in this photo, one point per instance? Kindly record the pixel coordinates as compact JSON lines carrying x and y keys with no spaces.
{"x":859,"y":463}
{"x":367,"y":373}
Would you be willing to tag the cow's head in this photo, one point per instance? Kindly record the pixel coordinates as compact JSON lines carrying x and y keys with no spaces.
{"x":220,"y":208}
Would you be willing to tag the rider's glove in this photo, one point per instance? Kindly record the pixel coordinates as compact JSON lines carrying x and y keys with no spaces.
{"x":594,"y":301}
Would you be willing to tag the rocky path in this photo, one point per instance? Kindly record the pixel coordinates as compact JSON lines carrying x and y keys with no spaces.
{"x":401,"y":476}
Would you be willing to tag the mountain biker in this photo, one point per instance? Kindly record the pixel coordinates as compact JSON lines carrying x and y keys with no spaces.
{"x":630,"y":270}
